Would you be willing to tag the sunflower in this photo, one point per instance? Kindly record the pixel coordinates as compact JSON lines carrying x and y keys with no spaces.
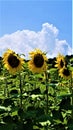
{"x":60,"y":61}
{"x":65,"y":73}
{"x":37,"y":63}
{"x":12,"y":62}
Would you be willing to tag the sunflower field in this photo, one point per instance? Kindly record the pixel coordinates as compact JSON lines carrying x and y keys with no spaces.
{"x":36,"y":94}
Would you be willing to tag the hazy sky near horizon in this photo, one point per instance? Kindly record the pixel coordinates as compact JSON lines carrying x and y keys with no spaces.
{"x":28,"y":24}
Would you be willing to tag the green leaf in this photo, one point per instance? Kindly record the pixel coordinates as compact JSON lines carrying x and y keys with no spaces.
{"x":64,"y":96}
{"x":52,"y":85}
{"x":4,"y":109}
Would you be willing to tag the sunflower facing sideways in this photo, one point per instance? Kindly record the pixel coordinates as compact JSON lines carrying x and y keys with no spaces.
{"x":60,"y":61}
{"x":65,"y":73}
{"x":12,"y":62}
{"x":37,"y":63}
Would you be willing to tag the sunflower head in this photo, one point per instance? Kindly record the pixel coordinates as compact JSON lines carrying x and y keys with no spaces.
{"x":37,"y":63}
{"x":60,"y":61}
{"x":65,"y":73}
{"x":38,"y":60}
{"x":12,"y":62}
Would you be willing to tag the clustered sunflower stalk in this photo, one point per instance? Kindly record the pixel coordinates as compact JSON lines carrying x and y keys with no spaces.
{"x":61,"y":64}
{"x":71,"y":89}
{"x":65,"y":73}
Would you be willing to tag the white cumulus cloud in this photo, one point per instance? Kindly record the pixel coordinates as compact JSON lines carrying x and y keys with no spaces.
{"x":46,"y":39}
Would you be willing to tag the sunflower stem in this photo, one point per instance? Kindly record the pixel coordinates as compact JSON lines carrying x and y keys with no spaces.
{"x":5,"y":87}
{"x":20,"y":85}
{"x":6,"y":91}
{"x":46,"y":99}
{"x":46,"y":80}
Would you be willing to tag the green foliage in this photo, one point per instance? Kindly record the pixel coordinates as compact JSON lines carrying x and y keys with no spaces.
{"x":25,"y":108}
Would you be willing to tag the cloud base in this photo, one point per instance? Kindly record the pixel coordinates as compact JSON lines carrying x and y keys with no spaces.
{"x":46,"y":39}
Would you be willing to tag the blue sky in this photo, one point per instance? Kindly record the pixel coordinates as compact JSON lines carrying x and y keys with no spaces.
{"x":32,"y":14}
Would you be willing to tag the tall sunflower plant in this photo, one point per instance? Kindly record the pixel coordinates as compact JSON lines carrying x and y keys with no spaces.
{"x":13,"y":63}
{"x":65,"y":71}
{"x":38,"y":64}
